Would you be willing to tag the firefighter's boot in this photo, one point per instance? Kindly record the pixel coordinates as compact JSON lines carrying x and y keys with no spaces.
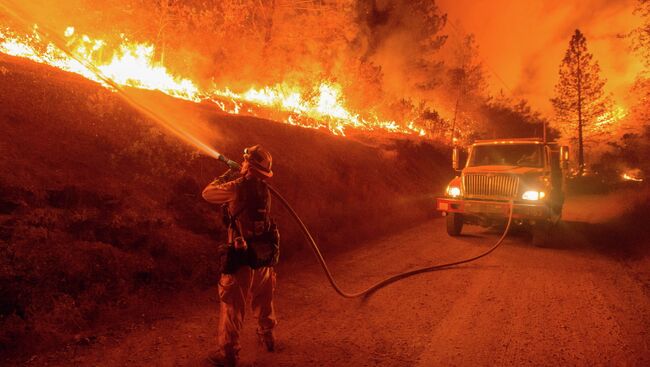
{"x":223,"y":358}
{"x":267,"y":340}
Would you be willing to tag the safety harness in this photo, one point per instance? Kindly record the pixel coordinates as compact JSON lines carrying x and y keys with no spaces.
{"x":255,"y":239}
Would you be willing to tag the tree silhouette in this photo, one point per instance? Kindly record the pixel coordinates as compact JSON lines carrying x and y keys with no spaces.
{"x":579,"y":94}
{"x":511,"y":118}
{"x":467,"y":78}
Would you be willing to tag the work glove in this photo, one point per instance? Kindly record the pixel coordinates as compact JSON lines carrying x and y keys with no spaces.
{"x":229,"y":175}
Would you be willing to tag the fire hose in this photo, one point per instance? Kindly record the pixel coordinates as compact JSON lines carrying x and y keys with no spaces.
{"x":153,"y":114}
{"x":319,"y":256}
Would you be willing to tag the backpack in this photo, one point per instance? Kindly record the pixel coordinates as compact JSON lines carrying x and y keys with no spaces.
{"x":254,"y":223}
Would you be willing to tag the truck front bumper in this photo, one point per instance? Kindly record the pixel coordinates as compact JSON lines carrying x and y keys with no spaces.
{"x":486,"y":208}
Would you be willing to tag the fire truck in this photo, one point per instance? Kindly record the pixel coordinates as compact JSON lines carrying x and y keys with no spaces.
{"x":530,"y":173}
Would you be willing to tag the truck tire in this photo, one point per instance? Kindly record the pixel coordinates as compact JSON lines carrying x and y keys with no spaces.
{"x":454,"y":224}
{"x":541,"y":233}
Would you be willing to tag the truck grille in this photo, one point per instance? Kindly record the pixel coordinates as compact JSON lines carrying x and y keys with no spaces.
{"x":491,"y":186}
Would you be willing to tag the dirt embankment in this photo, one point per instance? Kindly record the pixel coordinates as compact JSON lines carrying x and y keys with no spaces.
{"x":100,"y":209}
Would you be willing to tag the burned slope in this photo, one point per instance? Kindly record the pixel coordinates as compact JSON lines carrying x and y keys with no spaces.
{"x":100,"y":208}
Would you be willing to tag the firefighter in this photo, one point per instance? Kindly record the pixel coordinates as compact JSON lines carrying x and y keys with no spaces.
{"x":249,"y":256}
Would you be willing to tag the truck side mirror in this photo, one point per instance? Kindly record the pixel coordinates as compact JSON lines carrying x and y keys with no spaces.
{"x":455,"y":158}
{"x":564,"y":156}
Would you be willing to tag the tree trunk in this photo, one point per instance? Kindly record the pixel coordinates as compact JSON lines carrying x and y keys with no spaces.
{"x":453,"y":123}
{"x":160,"y":37}
{"x":581,"y":157}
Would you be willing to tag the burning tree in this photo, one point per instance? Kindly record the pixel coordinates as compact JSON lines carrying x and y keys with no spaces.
{"x":580,"y":96}
{"x":467,"y":79}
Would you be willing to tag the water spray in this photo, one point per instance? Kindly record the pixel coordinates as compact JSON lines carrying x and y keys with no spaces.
{"x":58,"y":42}
{"x":202,"y":146}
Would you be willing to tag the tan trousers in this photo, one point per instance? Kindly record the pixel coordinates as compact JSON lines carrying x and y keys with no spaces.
{"x":234,"y":292}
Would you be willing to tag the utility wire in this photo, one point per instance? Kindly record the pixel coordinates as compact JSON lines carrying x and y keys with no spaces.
{"x":458,"y":33}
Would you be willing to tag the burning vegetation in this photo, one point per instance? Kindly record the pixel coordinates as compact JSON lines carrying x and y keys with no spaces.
{"x":78,"y":163}
{"x":316,"y":102}
{"x":361,"y":66}
{"x":337,"y":65}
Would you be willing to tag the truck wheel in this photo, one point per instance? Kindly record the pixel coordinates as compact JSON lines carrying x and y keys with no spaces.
{"x":454,"y":224}
{"x":541,"y":234}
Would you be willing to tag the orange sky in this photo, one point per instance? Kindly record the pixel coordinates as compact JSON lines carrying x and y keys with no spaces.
{"x":523,"y":42}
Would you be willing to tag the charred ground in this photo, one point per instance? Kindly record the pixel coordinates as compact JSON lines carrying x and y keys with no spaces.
{"x":101,"y":213}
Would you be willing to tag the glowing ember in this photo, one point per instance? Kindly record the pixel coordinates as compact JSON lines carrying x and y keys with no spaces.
{"x":632,"y":175}
{"x":132,"y":64}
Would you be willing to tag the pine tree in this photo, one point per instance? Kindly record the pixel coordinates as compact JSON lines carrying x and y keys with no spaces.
{"x":579,"y":94}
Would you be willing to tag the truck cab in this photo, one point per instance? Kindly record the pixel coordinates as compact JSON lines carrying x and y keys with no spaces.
{"x":530,"y":173}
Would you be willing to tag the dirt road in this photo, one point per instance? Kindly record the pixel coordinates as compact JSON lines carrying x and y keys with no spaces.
{"x":570,"y":304}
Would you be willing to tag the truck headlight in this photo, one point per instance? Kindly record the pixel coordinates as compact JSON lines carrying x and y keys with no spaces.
{"x":533,"y":195}
{"x":453,"y":191}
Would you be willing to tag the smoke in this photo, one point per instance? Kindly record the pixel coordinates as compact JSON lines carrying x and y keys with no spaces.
{"x":57,"y":15}
{"x":402,"y":38}
{"x":523,"y":42}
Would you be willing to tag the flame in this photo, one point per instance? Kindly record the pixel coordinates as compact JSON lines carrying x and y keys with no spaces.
{"x":132,"y":64}
{"x":324,"y":109}
{"x":616,"y":114}
{"x":632,"y":175}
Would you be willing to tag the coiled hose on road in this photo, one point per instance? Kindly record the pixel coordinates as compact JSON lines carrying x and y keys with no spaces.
{"x":390,"y":279}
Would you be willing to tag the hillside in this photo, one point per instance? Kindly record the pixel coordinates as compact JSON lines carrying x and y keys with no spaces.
{"x":100,"y":208}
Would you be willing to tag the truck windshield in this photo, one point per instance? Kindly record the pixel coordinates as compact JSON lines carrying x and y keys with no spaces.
{"x":525,"y":155}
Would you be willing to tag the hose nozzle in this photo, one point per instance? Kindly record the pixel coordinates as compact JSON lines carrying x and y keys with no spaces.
{"x":229,"y":162}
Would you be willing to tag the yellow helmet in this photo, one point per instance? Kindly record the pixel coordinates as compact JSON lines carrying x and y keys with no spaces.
{"x":259,"y":159}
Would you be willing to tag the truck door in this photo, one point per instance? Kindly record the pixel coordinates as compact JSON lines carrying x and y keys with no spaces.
{"x":557,"y":180}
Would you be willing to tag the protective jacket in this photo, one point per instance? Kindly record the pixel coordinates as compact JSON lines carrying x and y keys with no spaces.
{"x":238,"y":194}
